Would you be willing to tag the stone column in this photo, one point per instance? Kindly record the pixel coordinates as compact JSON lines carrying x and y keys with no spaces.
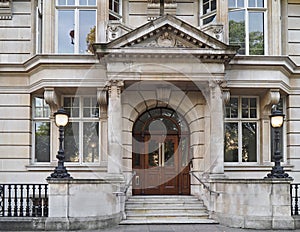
{"x":216,"y":168}
{"x":114,"y":127}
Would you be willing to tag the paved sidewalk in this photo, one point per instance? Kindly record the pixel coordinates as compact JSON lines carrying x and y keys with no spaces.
{"x":179,"y":228}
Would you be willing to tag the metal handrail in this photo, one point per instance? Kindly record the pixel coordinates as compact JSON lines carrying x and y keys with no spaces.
{"x":129,"y":183}
{"x":124,"y":192}
{"x":204,"y":185}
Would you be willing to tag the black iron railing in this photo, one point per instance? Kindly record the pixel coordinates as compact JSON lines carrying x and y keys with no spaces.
{"x":295,"y":199}
{"x":23,"y":200}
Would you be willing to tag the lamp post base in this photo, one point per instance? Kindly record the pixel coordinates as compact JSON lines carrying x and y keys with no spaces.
{"x":60,"y":173}
{"x":278,"y":172}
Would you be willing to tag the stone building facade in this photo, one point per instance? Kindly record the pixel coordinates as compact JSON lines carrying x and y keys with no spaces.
{"x":161,"y":89}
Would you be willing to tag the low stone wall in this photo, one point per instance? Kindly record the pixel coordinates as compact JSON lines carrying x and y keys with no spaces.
{"x":256,"y":203}
{"x":84,"y":204}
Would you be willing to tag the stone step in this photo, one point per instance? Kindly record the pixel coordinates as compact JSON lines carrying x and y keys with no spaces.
{"x":167,"y":221}
{"x":165,"y":209}
{"x":165,"y":206}
{"x":169,"y":214}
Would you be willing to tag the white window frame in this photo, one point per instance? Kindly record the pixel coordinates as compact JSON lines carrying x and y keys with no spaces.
{"x":241,"y":120}
{"x":81,"y":120}
{"x":113,"y":13}
{"x":265,"y":17}
{"x":208,"y":14}
{"x":76,"y":7}
{"x":40,"y":119}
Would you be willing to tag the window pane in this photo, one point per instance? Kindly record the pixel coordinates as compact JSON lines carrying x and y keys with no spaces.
{"x":184,"y":151}
{"x":87,"y":22}
{"x":71,"y":142}
{"x":42,"y":141}
{"x":232,"y":108}
{"x":260,"y":3}
{"x":256,"y":33}
{"x":213,"y":5}
{"x":231,"y":3}
{"x":169,"y":153}
{"x":245,"y":108}
{"x":240,"y":3}
{"x":71,"y":2}
{"x":237,"y":30}
{"x":249,"y":148}
{"x":231,"y":142}
{"x":251,"y":3}
{"x":90,"y":142}
{"x":83,"y":2}
{"x":209,"y":19}
{"x":62,"y":2}
{"x":65,"y":28}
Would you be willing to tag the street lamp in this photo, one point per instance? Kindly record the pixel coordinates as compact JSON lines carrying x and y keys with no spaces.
{"x":276,"y":122}
{"x":61,"y":120}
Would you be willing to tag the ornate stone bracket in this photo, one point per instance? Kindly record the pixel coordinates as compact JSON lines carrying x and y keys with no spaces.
{"x":226,"y":96}
{"x":115,"y":30}
{"x":102,"y":101}
{"x":271,"y":98}
{"x":51,"y":99}
{"x":215,"y":30}
{"x":5,"y":9}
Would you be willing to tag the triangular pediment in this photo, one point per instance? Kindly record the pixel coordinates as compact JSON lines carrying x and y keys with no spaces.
{"x":167,"y":33}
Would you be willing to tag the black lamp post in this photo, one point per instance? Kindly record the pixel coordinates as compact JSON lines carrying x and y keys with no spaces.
{"x":61,"y":120}
{"x":276,"y":123}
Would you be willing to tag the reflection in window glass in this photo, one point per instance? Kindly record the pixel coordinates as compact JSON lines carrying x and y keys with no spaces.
{"x":256,"y":33}
{"x":71,"y":142}
{"x":249,"y":146}
{"x":65,"y":28}
{"x":42,"y":141}
{"x":231,"y":142}
{"x":246,"y":26}
{"x":90,"y":142}
{"x":86,"y":27}
{"x":237,"y":30}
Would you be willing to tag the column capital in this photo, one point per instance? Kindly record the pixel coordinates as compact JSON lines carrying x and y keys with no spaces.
{"x":114,"y":87}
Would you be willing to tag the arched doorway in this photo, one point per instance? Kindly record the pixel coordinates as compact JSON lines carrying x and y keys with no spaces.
{"x":161,"y":153}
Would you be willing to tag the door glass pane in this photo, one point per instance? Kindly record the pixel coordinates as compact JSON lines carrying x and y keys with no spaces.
{"x":249,"y":142}
{"x":90,"y":142}
{"x":71,"y":142}
{"x":87,"y":22}
{"x":184,"y":151}
{"x":231,"y":142}
{"x":65,"y":28}
{"x":256,"y":33}
{"x":169,"y":153}
{"x":153,"y":151}
{"x":42,"y":142}
{"x":237,"y":30}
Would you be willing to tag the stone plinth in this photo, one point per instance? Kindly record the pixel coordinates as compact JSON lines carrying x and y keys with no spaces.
{"x":83,"y":204}
{"x":254,"y":203}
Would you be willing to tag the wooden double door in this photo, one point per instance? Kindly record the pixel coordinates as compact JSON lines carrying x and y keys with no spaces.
{"x":161,"y":165}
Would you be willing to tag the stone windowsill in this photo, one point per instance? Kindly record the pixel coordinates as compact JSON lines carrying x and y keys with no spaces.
{"x":50,"y":167}
{"x":254,"y":167}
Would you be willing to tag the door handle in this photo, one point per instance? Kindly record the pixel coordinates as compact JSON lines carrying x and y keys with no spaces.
{"x":137,"y":180}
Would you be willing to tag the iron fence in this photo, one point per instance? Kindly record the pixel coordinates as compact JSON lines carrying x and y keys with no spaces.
{"x":23,"y":200}
{"x":294,"y":191}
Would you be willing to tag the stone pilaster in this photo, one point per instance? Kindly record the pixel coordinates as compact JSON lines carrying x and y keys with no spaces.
{"x":216,"y":145}
{"x":114,"y":127}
